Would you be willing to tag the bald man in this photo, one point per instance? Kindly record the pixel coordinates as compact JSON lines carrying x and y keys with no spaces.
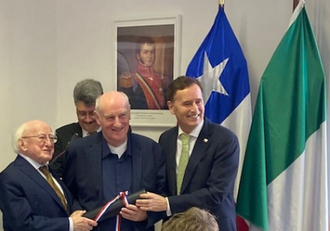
{"x":114,"y":160}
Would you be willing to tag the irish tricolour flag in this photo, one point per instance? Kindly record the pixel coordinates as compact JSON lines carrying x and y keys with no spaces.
{"x":284,"y":184}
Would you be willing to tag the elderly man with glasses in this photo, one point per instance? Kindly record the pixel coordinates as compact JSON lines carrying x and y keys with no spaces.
{"x":31,"y":196}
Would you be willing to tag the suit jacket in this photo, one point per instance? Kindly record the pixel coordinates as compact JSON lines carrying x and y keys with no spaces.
{"x":210,"y":174}
{"x":64,"y":136}
{"x":83,"y":172}
{"x":28,"y":202}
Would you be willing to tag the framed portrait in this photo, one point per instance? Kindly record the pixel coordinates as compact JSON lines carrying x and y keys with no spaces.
{"x":148,"y":59}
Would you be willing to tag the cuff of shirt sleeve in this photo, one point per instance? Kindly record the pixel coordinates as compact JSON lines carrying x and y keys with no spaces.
{"x":70,"y":224}
{"x":168,"y":211}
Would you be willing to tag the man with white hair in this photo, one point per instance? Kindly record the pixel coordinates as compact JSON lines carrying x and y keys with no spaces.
{"x":31,"y":197}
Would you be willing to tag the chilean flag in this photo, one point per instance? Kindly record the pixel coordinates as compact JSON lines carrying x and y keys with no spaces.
{"x":219,"y":64}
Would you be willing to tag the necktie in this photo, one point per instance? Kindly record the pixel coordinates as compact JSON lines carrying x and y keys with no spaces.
{"x":44,"y":170}
{"x":183,"y":160}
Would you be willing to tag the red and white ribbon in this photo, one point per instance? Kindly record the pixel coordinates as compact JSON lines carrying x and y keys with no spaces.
{"x":123,"y":196}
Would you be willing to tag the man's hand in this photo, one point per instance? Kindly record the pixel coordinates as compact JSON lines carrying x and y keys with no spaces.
{"x":152,"y":202}
{"x":133,"y":213}
{"x":81,"y":223}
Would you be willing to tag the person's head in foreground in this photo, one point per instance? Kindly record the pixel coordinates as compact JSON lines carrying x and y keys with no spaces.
{"x":193,"y":219}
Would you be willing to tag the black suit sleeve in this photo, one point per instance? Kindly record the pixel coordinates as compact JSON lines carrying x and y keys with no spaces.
{"x":64,"y":137}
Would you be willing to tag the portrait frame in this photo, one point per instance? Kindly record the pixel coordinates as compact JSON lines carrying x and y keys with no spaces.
{"x":165,"y":31}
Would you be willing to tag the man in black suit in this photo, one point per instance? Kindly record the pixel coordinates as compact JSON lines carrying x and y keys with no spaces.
{"x":213,"y":155}
{"x":32,"y":199}
{"x":84,"y":95}
{"x":114,"y":160}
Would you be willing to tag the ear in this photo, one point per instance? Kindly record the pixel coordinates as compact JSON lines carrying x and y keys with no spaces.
{"x":170,"y":107}
{"x":97,"y":118}
{"x":22,"y":145}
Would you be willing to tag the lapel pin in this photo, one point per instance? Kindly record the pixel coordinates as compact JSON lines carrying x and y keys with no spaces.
{"x":205,"y":140}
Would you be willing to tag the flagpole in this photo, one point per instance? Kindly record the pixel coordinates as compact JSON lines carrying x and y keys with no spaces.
{"x":295,"y":3}
{"x":222,"y":3}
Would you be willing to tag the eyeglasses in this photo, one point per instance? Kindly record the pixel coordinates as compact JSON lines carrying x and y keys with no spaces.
{"x":43,"y":137}
{"x":84,"y":114}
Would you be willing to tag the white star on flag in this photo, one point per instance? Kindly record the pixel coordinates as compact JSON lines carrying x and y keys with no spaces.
{"x":210,"y":79}
{"x":231,"y":111}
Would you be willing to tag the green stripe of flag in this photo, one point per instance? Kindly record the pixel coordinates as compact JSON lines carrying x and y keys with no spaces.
{"x":290,"y":107}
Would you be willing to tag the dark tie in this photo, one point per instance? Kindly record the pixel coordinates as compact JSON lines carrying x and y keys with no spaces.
{"x":44,"y":170}
{"x":183,"y":161}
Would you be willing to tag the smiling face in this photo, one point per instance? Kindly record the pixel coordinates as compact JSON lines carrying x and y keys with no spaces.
{"x":113,"y":114}
{"x":188,"y":107}
{"x":36,"y":142}
{"x":86,"y":117}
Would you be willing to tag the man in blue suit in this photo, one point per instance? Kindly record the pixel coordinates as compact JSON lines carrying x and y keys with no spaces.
{"x":213,"y":154}
{"x":28,"y":202}
{"x":102,"y":165}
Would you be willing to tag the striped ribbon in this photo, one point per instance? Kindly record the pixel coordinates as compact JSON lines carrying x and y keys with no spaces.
{"x":123,"y":197}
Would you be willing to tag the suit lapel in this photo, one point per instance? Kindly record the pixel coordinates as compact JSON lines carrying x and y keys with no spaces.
{"x":75,"y":132}
{"x":94,"y":153}
{"x":136,"y":164}
{"x":31,"y":172}
{"x":78,"y":130}
{"x":170,"y":150}
{"x":201,"y":145}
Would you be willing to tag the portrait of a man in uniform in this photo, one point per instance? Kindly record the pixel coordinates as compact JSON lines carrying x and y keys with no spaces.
{"x":145,"y":67}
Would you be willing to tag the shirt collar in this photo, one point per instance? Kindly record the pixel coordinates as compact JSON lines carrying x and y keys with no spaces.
{"x":195,"y":132}
{"x":85,"y":133}
{"x":120,"y":150}
{"x":34,"y":163}
{"x":108,"y":149}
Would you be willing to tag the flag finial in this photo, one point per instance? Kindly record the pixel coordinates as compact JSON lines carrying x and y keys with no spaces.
{"x":222,"y":2}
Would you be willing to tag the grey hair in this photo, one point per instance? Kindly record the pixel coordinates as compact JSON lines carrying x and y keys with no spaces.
{"x":87,"y":91}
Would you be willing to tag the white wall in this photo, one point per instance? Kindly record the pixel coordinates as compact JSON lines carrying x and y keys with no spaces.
{"x":28,"y":79}
{"x":47,"y":46}
{"x":85,"y":42}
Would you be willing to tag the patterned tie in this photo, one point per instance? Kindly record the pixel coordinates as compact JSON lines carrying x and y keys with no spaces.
{"x":183,"y":161}
{"x":44,"y":170}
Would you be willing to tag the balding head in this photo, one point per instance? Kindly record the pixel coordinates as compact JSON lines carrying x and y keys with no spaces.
{"x":109,"y":98}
